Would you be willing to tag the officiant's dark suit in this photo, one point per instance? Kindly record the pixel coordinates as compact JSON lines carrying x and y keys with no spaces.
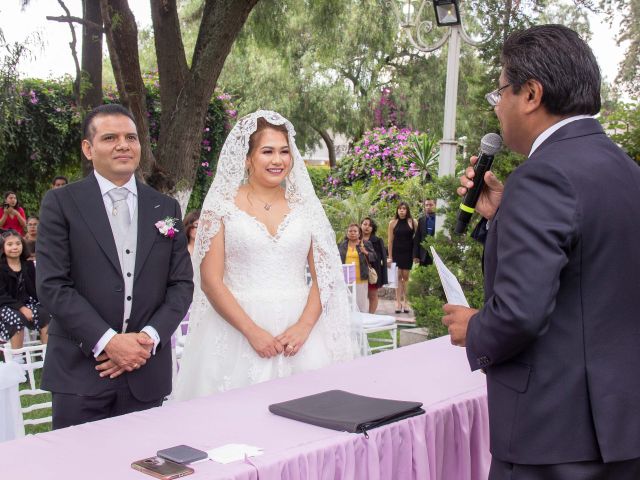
{"x":559,"y":333}
{"x":82,"y":279}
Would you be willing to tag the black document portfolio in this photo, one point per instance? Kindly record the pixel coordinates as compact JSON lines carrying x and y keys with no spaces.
{"x":344,"y":411}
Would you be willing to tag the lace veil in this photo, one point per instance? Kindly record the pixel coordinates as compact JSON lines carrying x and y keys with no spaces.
{"x":299,"y":192}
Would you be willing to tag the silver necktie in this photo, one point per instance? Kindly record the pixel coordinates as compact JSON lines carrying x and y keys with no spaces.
{"x":120,"y":208}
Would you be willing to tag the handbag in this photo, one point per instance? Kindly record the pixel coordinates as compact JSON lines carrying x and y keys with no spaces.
{"x":373,"y":275}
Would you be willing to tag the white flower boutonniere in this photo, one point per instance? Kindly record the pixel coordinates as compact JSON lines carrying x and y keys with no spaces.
{"x":166,"y":227}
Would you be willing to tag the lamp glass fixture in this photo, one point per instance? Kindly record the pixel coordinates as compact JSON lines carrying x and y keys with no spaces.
{"x":447,"y":12}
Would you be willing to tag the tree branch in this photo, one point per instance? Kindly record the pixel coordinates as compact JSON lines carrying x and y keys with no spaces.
{"x":81,"y":21}
{"x":74,"y":54}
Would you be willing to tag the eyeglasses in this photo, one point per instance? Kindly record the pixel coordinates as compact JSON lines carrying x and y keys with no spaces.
{"x":494,"y":97}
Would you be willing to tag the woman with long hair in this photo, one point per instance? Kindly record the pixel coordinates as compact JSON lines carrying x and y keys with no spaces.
{"x":401,"y":230}
{"x":12,"y":216}
{"x":369,"y":231}
{"x":19,"y":305}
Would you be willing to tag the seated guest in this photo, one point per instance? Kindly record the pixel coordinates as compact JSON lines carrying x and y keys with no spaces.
{"x":19,"y":305}
{"x":12,"y":216}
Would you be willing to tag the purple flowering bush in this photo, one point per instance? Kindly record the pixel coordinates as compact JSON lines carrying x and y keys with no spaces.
{"x":384,"y":154}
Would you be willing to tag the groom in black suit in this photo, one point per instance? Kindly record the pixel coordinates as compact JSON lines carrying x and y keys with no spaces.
{"x":117,"y":286}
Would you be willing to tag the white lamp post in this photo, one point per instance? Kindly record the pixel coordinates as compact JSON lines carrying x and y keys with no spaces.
{"x":409,"y":13}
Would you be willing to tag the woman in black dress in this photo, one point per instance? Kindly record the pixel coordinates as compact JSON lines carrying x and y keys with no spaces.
{"x":369,"y":230}
{"x":400,"y":239}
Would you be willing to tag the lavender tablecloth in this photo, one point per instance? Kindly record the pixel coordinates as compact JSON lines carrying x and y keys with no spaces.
{"x":450,"y":442}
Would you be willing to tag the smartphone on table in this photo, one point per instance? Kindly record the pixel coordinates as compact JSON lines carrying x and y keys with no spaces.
{"x":161,"y":468}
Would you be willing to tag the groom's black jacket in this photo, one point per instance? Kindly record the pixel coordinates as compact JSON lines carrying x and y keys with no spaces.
{"x":80,"y":281}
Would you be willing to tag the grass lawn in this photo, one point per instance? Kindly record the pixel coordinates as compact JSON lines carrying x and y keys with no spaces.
{"x":28,"y":400}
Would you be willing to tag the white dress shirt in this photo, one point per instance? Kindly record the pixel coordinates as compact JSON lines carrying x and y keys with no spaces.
{"x":132,"y":201}
{"x":556,"y":126}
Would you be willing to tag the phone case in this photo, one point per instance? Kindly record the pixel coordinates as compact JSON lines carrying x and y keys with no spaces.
{"x":182,"y":454}
{"x":160,"y":468}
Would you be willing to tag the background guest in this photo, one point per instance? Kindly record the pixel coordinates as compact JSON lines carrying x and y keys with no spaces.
{"x":32,"y":228}
{"x":191,"y":221}
{"x":400,"y":239}
{"x":12,"y":216}
{"x":19,"y":305}
{"x":426,"y":226}
{"x":369,"y":230}
{"x":59,"y":181}
{"x":354,"y":250}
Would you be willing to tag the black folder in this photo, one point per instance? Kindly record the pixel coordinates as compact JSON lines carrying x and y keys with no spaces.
{"x":344,"y":411}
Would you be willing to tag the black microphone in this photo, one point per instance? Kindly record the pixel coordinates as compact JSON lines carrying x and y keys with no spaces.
{"x":489,"y":146}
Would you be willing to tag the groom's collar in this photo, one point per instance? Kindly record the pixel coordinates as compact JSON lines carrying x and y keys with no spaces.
{"x":107,"y":185}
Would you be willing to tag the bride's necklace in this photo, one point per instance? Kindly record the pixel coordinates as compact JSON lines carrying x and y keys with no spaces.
{"x":266,"y":205}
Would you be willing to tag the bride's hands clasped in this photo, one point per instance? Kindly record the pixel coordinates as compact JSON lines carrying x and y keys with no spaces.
{"x":265,"y":344}
{"x":294,"y":337}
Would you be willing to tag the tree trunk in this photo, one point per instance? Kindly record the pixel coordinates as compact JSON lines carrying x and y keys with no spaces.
{"x":331,"y":147}
{"x":91,"y":94}
{"x":185,"y":92}
{"x":189,"y":97}
{"x":122,"y":40}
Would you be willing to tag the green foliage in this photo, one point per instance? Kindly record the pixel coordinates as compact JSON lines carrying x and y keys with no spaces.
{"x":629,"y":11}
{"x":461,"y":254}
{"x":319,"y":177}
{"x":623,"y":122}
{"x":41,"y":140}
{"x":217,"y":125}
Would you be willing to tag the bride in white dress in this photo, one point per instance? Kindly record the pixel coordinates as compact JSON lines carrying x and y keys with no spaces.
{"x":254,"y":316}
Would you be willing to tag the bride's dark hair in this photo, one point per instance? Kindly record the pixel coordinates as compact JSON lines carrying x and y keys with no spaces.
{"x":262,"y":125}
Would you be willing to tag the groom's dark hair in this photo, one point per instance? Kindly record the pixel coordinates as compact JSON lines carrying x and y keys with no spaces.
{"x":88,"y":130}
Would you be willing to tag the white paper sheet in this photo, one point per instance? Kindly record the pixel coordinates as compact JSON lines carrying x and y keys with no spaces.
{"x":233,"y":452}
{"x":452,"y":289}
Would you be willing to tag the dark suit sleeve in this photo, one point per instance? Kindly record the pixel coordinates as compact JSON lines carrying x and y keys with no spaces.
{"x":536,"y":228}
{"x":56,"y":289}
{"x":417,"y":238}
{"x":179,"y":293}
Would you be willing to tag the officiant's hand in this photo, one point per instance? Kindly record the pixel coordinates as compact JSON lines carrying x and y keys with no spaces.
{"x":264,"y":343}
{"x":294,"y":337}
{"x":457,"y":320}
{"x":108,"y":368}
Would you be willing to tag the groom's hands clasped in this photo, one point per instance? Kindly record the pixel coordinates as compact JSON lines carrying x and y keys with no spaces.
{"x":125,"y":352}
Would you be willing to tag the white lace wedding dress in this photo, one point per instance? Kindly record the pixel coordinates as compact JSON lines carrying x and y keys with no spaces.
{"x":267,"y":275}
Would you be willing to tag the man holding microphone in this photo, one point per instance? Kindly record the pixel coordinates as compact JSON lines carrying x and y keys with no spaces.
{"x":559,"y":333}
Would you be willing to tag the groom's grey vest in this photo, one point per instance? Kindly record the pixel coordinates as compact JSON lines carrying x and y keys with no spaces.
{"x":126,"y":244}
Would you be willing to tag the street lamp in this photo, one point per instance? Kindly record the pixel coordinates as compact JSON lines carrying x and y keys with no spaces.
{"x":409,"y":14}
{"x":447,"y":13}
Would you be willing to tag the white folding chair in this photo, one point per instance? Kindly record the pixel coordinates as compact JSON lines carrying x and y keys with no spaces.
{"x":33,"y":356}
{"x":371,"y":323}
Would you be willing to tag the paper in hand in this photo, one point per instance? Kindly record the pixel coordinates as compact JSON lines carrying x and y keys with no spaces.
{"x":452,"y":289}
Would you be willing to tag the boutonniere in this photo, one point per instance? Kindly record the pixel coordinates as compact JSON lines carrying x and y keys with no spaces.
{"x":166,"y":227}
